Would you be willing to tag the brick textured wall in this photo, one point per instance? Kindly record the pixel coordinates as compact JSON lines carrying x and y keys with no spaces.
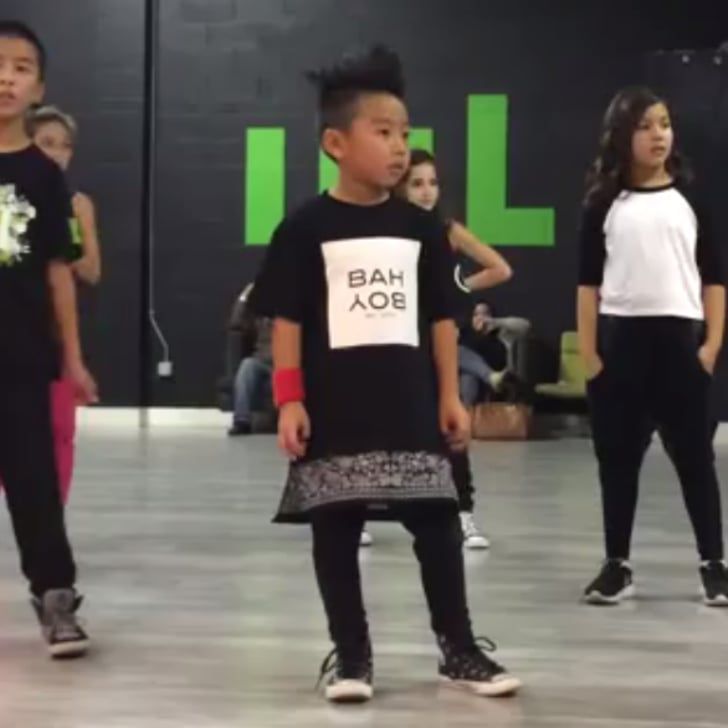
{"x":96,"y":65}
{"x":227,"y":65}
{"x":231,"y":64}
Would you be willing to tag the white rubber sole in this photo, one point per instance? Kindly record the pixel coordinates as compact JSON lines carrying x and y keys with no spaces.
{"x":596,"y":597}
{"x":349,"y":691}
{"x":476,"y":543}
{"x":501,"y":687}
{"x":68,"y":650}
{"x":365,"y":540}
{"x":721,"y":601}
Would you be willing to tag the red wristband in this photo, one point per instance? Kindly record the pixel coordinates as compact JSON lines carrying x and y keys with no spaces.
{"x":287,"y":386}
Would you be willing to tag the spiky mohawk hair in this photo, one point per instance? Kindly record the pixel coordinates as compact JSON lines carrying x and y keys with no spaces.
{"x":376,"y":70}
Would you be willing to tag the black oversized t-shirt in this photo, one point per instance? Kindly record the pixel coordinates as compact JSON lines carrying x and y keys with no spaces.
{"x":365,"y":283}
{"x":35,"y":212}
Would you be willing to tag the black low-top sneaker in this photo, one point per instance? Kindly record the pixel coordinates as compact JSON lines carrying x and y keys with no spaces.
{"x":613,"y":584}
{"x":350,"y":672}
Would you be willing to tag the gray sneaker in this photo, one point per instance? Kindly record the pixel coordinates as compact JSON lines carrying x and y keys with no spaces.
{"x":56,"y":613}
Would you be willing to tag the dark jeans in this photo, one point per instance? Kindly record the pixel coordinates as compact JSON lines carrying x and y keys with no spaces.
{"x":28,"y":472}
{"x":252,"y":388}
{"x":474,"y":373}
{"x":438,"y":547}
{"x":652,"y":377}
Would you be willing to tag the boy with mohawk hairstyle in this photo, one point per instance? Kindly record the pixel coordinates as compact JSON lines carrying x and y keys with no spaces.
{"x":359,"y":285}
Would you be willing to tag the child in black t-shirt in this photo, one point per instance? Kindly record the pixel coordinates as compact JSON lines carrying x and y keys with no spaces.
{"x":651,"y":311}
{"x":360,"y":288}
{"x":35,"y":280}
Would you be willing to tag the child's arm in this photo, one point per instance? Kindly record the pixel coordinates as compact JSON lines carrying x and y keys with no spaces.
{"x":712,"y":275}
{"x":714,"y":307}
{"x":495,"y":268}
{"x":87,"y":268}
{"x":592,"y":259}
{"x":294,"y":427}
{"x":587,"y":314}
{"x":454,"y":418}
{"x":63,"y":297}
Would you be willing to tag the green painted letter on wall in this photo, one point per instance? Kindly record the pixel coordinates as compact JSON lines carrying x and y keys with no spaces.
{"x":265,"y":183}
{"x":488,"y":214}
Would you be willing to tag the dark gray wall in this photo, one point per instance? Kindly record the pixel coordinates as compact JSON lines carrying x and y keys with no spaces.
{"x":230,"y":64}
{"x":96,"y":73}
{"x":226,"y":65}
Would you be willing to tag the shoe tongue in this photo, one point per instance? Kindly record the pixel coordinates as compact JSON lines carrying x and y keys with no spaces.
{"x":59,"y":599}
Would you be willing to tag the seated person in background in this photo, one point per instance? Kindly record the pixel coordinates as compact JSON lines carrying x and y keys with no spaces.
{"x":252,"y":387}
{"x":483,"y":355}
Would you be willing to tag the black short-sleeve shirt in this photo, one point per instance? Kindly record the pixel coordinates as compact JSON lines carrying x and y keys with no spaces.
{"x":365,"y":283}
{"x":35,"y":213}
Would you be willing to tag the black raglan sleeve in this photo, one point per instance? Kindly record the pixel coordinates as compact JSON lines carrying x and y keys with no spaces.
{"x":592,"y":245}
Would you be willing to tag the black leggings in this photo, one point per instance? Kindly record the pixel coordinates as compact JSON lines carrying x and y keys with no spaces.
{"x":437,"y":545}
{"x":462,"y":474}
{"x":652,"y":377}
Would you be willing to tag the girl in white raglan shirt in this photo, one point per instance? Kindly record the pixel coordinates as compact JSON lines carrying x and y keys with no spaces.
{"x":651,"y":311}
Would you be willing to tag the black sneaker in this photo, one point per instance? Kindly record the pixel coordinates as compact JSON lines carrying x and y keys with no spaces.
{"x":350,"y":675}
{"x":613,"y":584}
{"x":468,"y":667}
{"x":714,"y":575}
{"x":240,"y":428}
{"x":57,"y":616}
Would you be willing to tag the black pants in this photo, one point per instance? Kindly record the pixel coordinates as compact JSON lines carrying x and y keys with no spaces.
{"x":437,"y":544}
{"x":28,"y":472}
{"x":652,"y":377}
{"x":462,"y":474}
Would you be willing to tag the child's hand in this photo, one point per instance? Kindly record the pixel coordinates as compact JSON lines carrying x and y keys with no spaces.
{"x":594,"y":366}
{"x":84,"y":384}
{"x":455,"y":423}
{"x":294,"y":429}
{"x":708,"y":357}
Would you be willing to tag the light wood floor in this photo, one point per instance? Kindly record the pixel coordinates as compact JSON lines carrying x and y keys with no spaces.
{"x":205,"y":615}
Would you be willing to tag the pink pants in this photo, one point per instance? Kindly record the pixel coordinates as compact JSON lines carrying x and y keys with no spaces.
{"x":63,"y":419}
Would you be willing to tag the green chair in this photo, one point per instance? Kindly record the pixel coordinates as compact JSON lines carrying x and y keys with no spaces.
{"x":572,"y":373}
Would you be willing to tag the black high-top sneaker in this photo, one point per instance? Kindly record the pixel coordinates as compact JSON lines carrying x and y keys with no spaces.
{"x":465,"y":665}
{"x":56,"y":612}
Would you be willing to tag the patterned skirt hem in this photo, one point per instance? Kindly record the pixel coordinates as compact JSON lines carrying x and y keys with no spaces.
{"x":374,"y":480}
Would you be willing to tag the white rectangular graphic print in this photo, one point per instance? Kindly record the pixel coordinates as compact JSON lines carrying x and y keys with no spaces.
{"x":372,"y":291}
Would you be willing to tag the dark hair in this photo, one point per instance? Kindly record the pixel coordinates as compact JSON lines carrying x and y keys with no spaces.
{"x":610,"y":171}
{"x":418,"y":157}
{"x":16,"y":29}
{"x":340,"y":86}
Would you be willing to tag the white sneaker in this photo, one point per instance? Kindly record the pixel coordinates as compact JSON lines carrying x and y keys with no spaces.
{"x":472,"y":537}
{"x":365,"y":540}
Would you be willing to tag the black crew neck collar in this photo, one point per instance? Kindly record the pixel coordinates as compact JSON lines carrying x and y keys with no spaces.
{"x":649,"y":190}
